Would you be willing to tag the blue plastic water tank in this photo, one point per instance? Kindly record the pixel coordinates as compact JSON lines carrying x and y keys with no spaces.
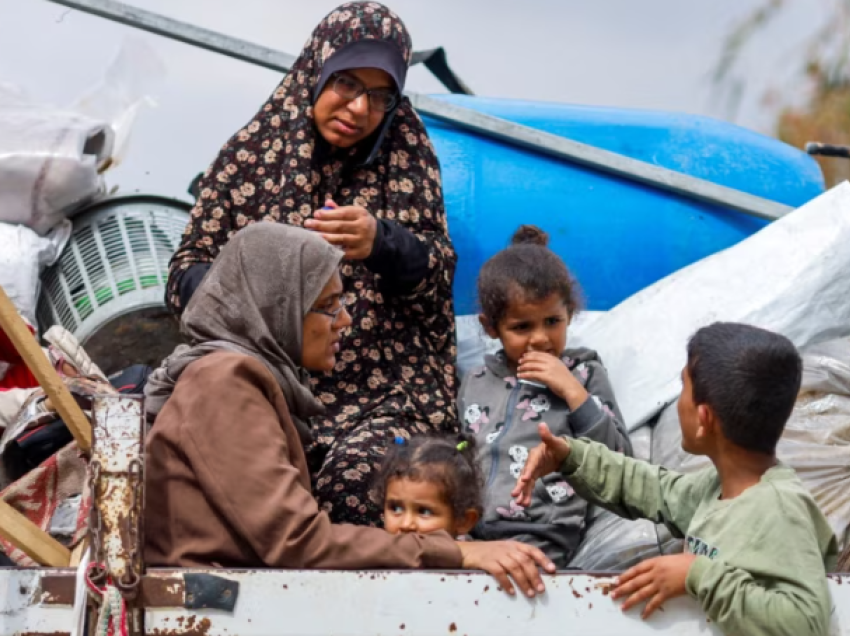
{"x":616,"y":236}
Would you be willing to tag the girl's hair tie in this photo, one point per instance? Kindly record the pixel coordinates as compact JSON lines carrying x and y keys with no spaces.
{"x":462,"y":446}
{"x":399,"y":440}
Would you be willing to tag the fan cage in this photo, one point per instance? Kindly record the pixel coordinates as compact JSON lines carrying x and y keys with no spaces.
{"x":116,"y":262}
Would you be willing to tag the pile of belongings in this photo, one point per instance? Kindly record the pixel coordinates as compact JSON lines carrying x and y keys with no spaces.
{"x":42,"y":473}
{"x":53,"y":161}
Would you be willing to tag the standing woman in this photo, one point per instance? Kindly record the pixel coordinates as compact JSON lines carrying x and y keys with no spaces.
{"x":337,"y":149}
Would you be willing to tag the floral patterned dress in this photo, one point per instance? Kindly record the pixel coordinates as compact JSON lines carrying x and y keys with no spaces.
{"x":395,"y":373}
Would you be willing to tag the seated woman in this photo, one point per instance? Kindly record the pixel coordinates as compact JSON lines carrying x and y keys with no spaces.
{"x":227,"y":478}
{"x":338,"y":134}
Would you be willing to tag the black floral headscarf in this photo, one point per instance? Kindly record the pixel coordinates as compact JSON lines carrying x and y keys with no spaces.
{"x":397,"y":359}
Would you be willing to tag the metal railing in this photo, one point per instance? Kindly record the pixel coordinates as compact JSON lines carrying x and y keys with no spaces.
{"x":465,"y":118}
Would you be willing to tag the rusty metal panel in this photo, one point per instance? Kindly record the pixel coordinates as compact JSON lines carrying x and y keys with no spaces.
{"x":117,"y":479}
{"x":427,"y":603}
{"x":290,"y":603}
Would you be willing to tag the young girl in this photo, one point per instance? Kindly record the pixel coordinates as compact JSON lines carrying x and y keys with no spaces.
{"x":528,"y":299}
{"x":429,"y":484}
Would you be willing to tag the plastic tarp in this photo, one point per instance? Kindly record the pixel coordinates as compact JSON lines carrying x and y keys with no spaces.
{"x":791,"y":277}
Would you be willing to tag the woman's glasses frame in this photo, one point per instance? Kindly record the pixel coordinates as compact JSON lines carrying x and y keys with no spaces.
{"x":350,"y":88}
{"x":333,"y":313}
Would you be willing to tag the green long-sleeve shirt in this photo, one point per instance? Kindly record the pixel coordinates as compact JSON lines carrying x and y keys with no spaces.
{"x":762,"y":557}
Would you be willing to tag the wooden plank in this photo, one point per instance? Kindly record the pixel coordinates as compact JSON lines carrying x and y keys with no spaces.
{"x":78,"y":552}
{"x":50,"y":382}
{"x":30,"y":539}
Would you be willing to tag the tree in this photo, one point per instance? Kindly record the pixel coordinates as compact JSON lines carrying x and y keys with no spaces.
{"x":823,"y":68}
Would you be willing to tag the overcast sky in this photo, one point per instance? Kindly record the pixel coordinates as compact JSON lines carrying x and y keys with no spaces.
{"x":655,"y":54}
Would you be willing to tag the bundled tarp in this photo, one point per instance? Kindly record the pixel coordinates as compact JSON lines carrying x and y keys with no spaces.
{"x":791,"y":277}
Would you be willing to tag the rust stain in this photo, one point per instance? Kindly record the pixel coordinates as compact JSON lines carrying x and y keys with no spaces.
{"x":452,"y":628}
{"x":162,"y":592}
{"x":401,"y":626}
{"x":285,"y":586}
{"x":476,"y":602}
{"x":202,"y":629}
{"x":59,"y":589}
{"x":590,"y":606}
{"x":606,"y":587}
{"x":486,"y":588}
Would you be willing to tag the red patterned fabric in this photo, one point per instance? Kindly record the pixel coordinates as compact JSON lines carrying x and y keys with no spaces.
{"x":39,"y":493}
{"x":16,"y":375}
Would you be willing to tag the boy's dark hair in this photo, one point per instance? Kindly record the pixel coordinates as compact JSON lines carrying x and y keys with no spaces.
{"x":437,"y":460}
{"x":527,"y":268}
{"x":750,"y":377}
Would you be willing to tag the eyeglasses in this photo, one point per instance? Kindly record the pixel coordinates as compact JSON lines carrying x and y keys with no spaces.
{"x":380,"y":99}
{"x":334,"y":313}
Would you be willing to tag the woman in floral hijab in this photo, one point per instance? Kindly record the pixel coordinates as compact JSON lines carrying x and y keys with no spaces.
{"x":337,"y":149}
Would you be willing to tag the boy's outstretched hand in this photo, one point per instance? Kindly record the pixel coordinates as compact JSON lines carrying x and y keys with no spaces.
{"x":654,"y":580}
{"x":544,"y":460}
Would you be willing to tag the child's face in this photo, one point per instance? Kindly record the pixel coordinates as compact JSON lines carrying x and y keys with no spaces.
{"x":532,"y":325}
{"x":417,"y":506}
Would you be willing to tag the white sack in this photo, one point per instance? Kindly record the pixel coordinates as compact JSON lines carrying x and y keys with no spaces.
{"x":52,"y":159}
{"x":49,"y":162}
{"x":23,"y":256}
{"x":792,"y":277}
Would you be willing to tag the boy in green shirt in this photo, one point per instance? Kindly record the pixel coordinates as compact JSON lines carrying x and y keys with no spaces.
{"x":757,"y":546}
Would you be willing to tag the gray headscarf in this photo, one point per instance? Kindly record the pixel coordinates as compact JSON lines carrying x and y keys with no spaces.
{"x":254,"y":300}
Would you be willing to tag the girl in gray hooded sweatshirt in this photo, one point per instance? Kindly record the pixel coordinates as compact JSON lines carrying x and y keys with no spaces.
{"x":528,"y":299}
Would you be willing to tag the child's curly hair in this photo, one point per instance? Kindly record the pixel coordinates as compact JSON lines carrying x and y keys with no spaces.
{"x":448,"y":461}
{"x":527,"y":269}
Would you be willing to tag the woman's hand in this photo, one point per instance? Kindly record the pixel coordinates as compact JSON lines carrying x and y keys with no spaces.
{"x":544,"y":460}
{"x":655,"y":580}
{"x":551,"y":371}
{"x":507,"y":560}
{"x":351,"y":228}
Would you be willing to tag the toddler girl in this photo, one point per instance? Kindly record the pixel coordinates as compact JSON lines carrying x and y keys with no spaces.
{"x":429,"y":484}
{"x":528,"y":299}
